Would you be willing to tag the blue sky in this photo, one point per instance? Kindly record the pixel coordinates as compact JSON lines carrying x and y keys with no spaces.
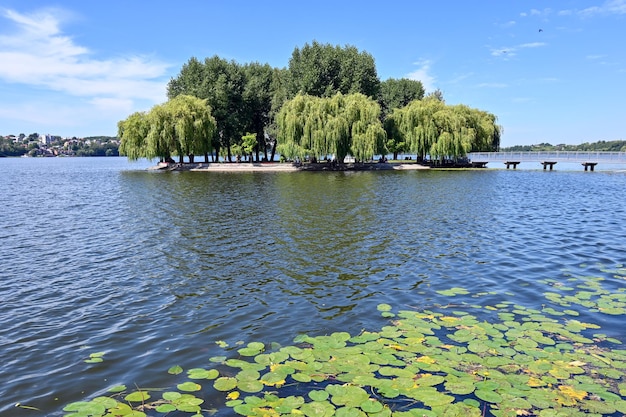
{"x":552,"y":71}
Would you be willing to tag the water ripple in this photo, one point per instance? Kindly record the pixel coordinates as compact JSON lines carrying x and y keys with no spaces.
{"x":154,"y":268}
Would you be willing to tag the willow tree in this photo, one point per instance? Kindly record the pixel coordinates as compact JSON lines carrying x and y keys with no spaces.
{"x":194,"y":125}
{"x":429,"y":127}
{"x":181,"y":126}
{"x":132,"y":133}
{"x":366,"y":130}
{"x":340,"y":125}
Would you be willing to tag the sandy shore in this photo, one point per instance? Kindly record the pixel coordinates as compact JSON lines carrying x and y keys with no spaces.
{"x":283,"y":167}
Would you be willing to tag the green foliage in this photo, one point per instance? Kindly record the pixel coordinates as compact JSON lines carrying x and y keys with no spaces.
{"x":397,"y":93}
{"x":95,"y":357}
{"x":323,"y":70}
{"x":181,"y":126}
{"x":339,"y":125}
{"x":221,"y":83}
{"x":423,"y":363}
{"x":429,"y":127}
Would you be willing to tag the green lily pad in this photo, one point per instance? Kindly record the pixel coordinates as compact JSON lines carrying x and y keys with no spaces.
{"x":189,"y":386}
{"x":225,"y":383}
{"x":175,"y":370}
{"x":488,"y":396}
{"x":137,"y":396}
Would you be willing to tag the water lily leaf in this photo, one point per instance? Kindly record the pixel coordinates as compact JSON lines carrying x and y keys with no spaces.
{"x":371,"y":405}
{"x":200,"y":373}
{"x":437,"y":399}
{"x":107,"y":402}
{"x":137,"y":396}
{"x":348,"y":412}
{"x":225,"y":383}
{"x":248,"y":375}
{"x":175,"y":370}
{"x":317,"y":409}
{"x":95,"y":357}
{"x":348,"y":395}
{"x":620,"y":405}
{"x":248,"y":351}
{"x":488,"y":396}
{"x":165,"y":408}
{"x":453,"y":292}
{"x":117,"y":388}
{"x":273,"y":378}
{"x":383,"y":307}
{"x":598,"y":407}
{"x":189,"y":386}
{"x":86,"y":408}
{"x":318,"y":395}
{"x":477,"y":346}
{"x":171,"y":395}
{"x":460,"y":387}
{"x":244,"y":409}
{"x":250,"y":386}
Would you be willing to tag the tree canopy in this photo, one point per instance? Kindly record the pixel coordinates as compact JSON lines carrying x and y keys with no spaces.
{"x":397,"y":93}
{"x":429,"y":127}
{"x":321,"y":126}
{"x":328,"y":95}
{"x":324,"y":70}
{"x":181,"y":126}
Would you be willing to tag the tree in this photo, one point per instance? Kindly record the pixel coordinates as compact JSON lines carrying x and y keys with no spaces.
{"x":221,"y":83}
{"x":429,"y":127}
{"x":397,"y":93}
{"x":133,"y":132}
{"x":325,"y":70}
{"x":194,"y":125}
{"x":181,"y":126}
{"x":317,"y":127}
{"x":257,"y":97}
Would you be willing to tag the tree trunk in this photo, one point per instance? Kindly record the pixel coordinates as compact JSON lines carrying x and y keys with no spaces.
{"x":273,"y":150}
{"x":206,"y":157}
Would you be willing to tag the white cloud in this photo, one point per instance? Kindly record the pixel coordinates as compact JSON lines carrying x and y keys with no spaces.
{"x":422,"y":74}
{"x":511,"y":51}
{"x":508,"y":24}
{"x":532,"y":45}
{"x":610,"y":7}
{"x":36,"y":53}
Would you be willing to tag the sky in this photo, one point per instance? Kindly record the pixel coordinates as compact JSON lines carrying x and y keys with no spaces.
{"x":551,"y":71}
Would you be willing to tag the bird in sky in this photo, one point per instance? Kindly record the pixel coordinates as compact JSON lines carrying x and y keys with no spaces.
{"x":540,"y":30}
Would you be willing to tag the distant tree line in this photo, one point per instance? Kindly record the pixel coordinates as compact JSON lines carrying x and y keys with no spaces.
{"x":600,"y":146}
{"x":328,"y":101}
{"x":32,"y":146}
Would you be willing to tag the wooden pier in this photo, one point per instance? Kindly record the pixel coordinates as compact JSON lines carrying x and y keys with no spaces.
{"x":550,"y":164}
{"x":590,"y":165}
{"x":548,"y":159}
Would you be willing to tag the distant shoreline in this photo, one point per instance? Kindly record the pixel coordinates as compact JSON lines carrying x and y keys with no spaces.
{"x":283,"y":167}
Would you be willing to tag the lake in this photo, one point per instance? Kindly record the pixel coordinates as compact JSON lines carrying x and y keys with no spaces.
{"x":160,"y":269}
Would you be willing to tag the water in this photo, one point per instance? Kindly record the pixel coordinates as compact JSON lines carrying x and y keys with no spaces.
{"x":100,"y":255}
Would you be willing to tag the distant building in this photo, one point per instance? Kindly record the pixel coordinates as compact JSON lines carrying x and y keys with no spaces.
{"x":45,"y":139}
